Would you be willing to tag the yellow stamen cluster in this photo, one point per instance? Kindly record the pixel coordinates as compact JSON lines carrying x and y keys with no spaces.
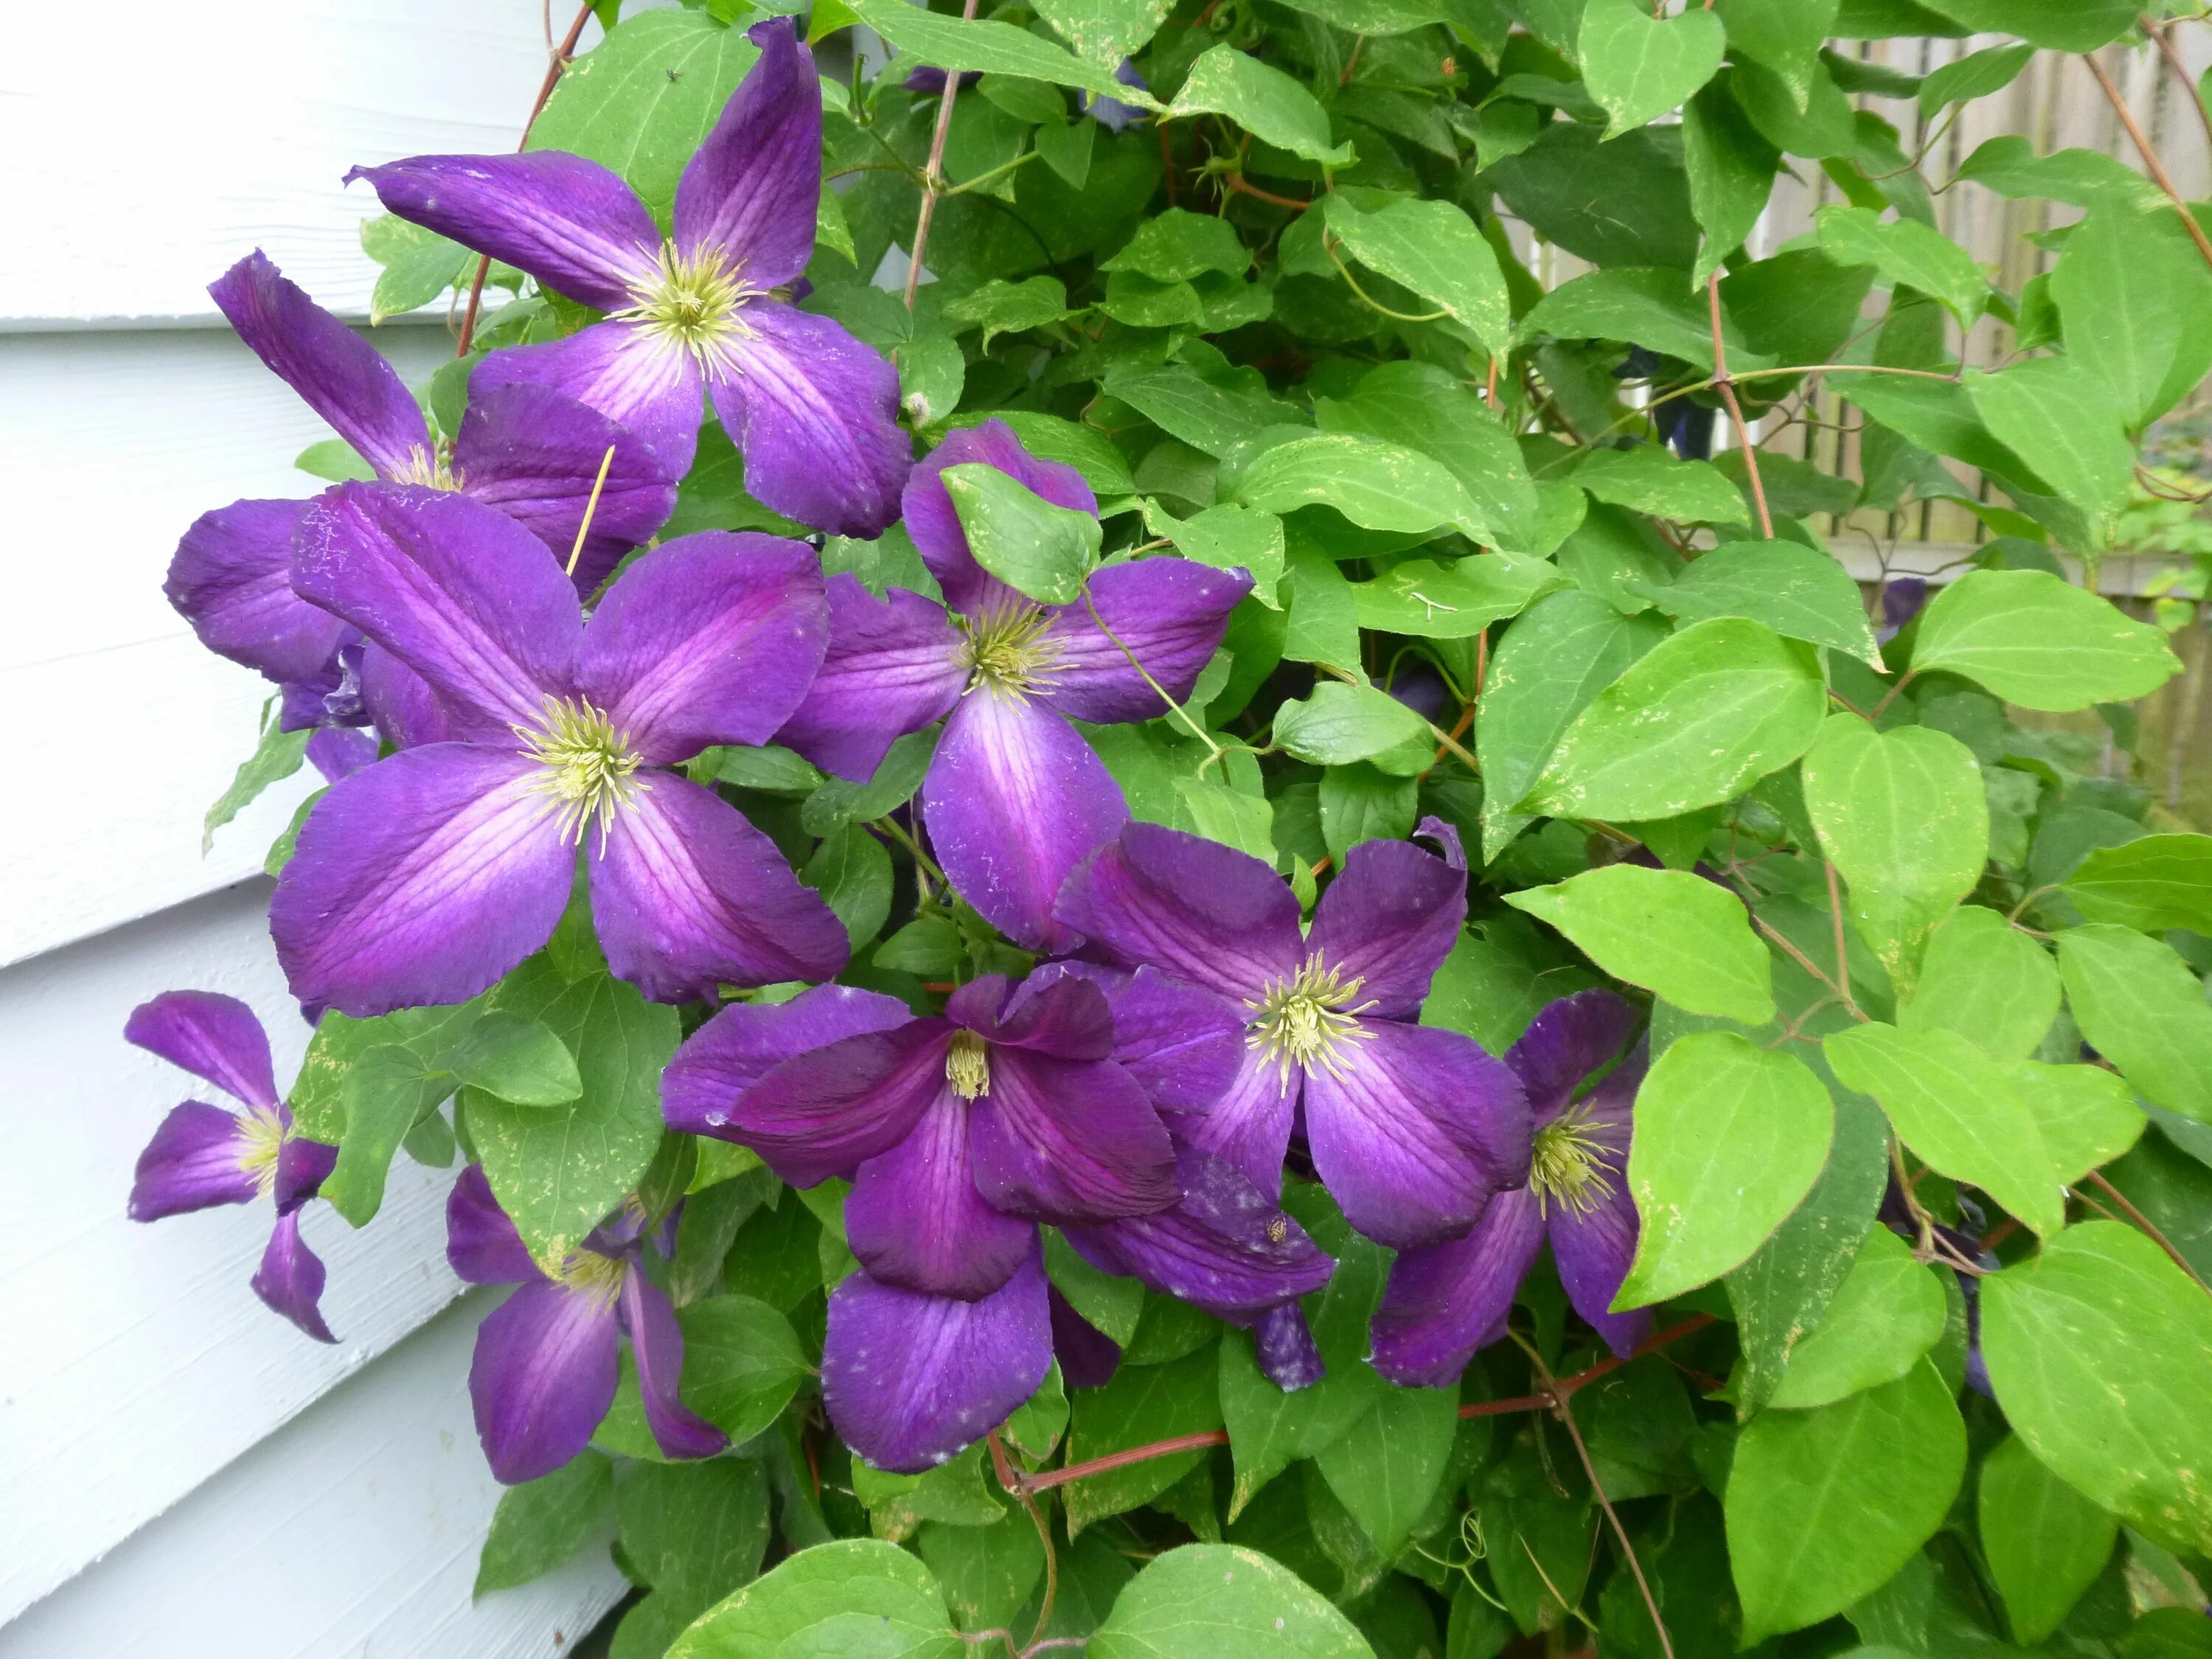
{"x":589,"y":768}
{"x":588,"y":1273}
{"x":261,"y":1135}
{"x":967,"y":1066}
{"x":1567,"y":1164}
{"x":1307,"y":1019}
{"x":1007,"y":650}
{"x":429,"y":467}
{"x":692,"y":300}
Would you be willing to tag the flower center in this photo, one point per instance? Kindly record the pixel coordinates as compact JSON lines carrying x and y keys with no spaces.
{"x":1567,"y":1164}
{"x":1306,"y":1019}
{"x":586,"y":1273}
{"x":692,"y":300}
{"x":1008,"y":650}
{"x":430,"y":468}
{"x":589,"y":768}
{"x":260,"y":1143}
{"x":967,"y":1066}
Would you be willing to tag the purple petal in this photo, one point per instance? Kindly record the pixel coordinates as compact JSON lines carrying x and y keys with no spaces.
{"x":830,"y":1109}
{"x":1059,"y":1014}
{"x":290,"y":1280}
{"x":815,"y":413}
{"x":1014,"y":801}
{"x":406,"y":712}
{"x":656,"y":1342}
{"x":750,"y":192}
{"x":910,"y":1379}
{"x":1250,"y":1124}
{"x":196,"y":1160}
{"x":1069,"y":1140}
{"x":543,"y":1377}
{"x":1190,"y":906}
{"x":1414,"y":1130}
{"x":455,"y":590}
{"x":935,"y":527}
{"x":1593,"y":1251}
{"x":232,"y":580}
{"x":688,"y":896}
{"x":211,"y":1036}
{"x":534,"y":453}
{"x":339,"y":751}
{"x":1444,"y":1301}
{"x":1088,"y":1357}
{"x":341,"y":376}
{"x":1388,"y":920}
{"x":569,"y":222}
{"x":423,"y":880}
{"x":712,"y":638}
{"x":330,"y":697}
{"x":482,"y":1245}
{"x":648,"y":384}
{"x":1564,"y":1044}
{"x":892,"y":667}
{"x":740,"y":1045}
{"x":915,"y":1220}
{"x":1183,"y":1046}
{"x":302,"y":1167}
{"x":1284,"y":1344}
{"x":1169,"y":613}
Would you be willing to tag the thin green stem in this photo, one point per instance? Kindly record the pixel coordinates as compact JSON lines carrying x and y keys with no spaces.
{"x":1369,"y":300}
{"x":993,"y":175}
{"x":1197,"y":730}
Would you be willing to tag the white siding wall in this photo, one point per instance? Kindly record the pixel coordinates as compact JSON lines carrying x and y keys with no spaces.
{"x":179,"y":1471}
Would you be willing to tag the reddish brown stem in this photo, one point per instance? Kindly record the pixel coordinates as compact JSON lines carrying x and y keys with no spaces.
{"x":933,"y":175}
{"x":2158,"y":171}
{"x":1236,"y":181}
{"x":1167,"y":162}
{"x":2159,"y":38}
{"x":2144,"y":1222}
{"x":1735,"y":410}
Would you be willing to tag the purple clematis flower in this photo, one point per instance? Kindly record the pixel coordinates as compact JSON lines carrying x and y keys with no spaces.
{"x":1015,"y":799}
{"x":812,"y":410}
{"x":428,"y":875}
{"x":1410,"y":1127}
{"x":1446,"y":1300}
{"x":546,"y":1363}
{"x":1111,"y":112}
{"x":203,"y":1156}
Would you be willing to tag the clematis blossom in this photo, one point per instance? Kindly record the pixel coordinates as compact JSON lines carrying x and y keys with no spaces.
{"x":424,"y":878}
{"x":1014,"y":798}
{"x":1410,"y":1127}
{"x":1447,"y":1300}
{"x":813,"y":411}
{"x":202,"y":1155}
{"x":547,"y":1359}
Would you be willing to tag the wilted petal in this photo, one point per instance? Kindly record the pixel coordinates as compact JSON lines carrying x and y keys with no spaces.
{"x":740,"y":1045}
{"x":1057,"y":1014}
{"x":1192,"y":907}
{"x":1088,"y":1357}
{"x":339,"y":751}
{"x":643,"y":382}
{"x":1069,"y":1140}
{"x":482,"y":1245}
{"x":1564,"y":1044}
{"x":458,"y":591}
{"x":232,"y":580}
{"x":400,"y":703}
{"x":338,"y":374}
{"x":935,"y":527}
{"x":290,"y":1280}
{"x":1284,"y":1344}
{"x":750,"y":192}
{"x":892,"y":667}
{"x":1014,"y":801}
{"x":712,"y":638}
{"x":423,"y":880}
{"x":914,"y":1220}
{"x":332,"y":696}
{"x":1389,"y":919}
{"x":815,"y":413}
{"x":197,"y":1159}
{"x":212,"y":1036}
{"x":1168,"y":612}
{"x":543,"y":1377}
{"x":831,"y":1108}
{"x":688,"y":896}
{"x":910,"y":1379}
{"x":1446,"y":1300}
{"x":569,"y":222}
{"x":656,"y":1342}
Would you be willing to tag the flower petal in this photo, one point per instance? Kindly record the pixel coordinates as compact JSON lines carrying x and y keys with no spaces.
{"x":1069,"y":1140}
{"x":232,"y":580}
{"x":815,"y":413}
{"x":302,"y":1167}
{"x":826,"y":1111}
{"x":534,"y":453}
{"x":910,"y":1379}
{"x":1564,"y":1044}
{"x":482,"y":1244}
{"x":1196,"y":909}
{"x":656,"y":1342}
{"x":1282,"y":1343}
{"x":195,"y":1161}
{"x":649,"y":385}
{"x":211,"y":1036}
{"x":340,"y":376}
{"x":339,"y":751}
{"x":1444,"y":1301}
{"x":1184,"y":1046}
{"x":1057,"y":1014}
{"x":688,"y":896}
{"x":740,"y":1045}
{"x":1088,"y":1357}
{"x":406,"y":712}
{"x":750,"y":192}
{"x":543,"y":1377}
{"x":892,"y":667}
{"x":712,"y":638}
{"x":423,"y":880}
{"x":935,"y":527}
{"x":1169,"y":613}
{"x":1014,"y":801}
{"x":1414,"y":1130}
{"x":290,"y":1280}
{"x":914,"y":1220}
{"x":1594,"y":1250}
{"x":569,"y":222}
{"x":455,"y":590}
{"x":1249,"y":1125}
{"x":1388,"y":920}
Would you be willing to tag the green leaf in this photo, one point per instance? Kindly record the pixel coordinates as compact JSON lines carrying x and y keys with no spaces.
{"x":2086,"y":1114}
{"x":1141,"y":1404}
{"x":335,"y":460}
{"x":1223,"y":1603}
{"x":1629,"y":206}
{"x":2040,"y":643}
{"x":1107,"y":1301}
{"x":1104,"y":32}
{"x":1024,"y":540}
{"x":1653,"y":308}
{"x":1419,"y":406}
{"x":1729,"y":1137}
{"x":854,"y":1596}
{"x":2099,"y":1350}
{"x":1228,"y":538}
{"x":1677,"y":935}
{"x":1177,"y":244}
{"x":1088,"y":451}
{"x":742,"y":1363}
{"x":317,"y":1099}
{"x":1373,"y":17}
{"x":1991,"y":983}
{"x":992,"y":48}
{"x":1003,"y":308}
{"x":1977,"y":75}
{"x":1885,"y":1315}
{"x":1649,"y":479}
{"x":2061,"y":24}
{"x":1903,"y":818}
{"x":2132,"y":294}
{"x":1782,"y":36}
{"x":1909,"y":254}
{"x":1387,"y":1466}
{"x":1230,"y":817}
{"x":1731,"y":166}
{"x":1202,"y":413}
{"x":1823,"y":1505}
{"x":1958,"y":1110}
{"x":541,"y":1524}
{"x":852,"y":872}
{"x":986,"y":1572}
{"x":840,"y":801}
{"x":2046,"y":1543}
{"x":693,"y":1531}
{"x":275,"y":757}
{"x":2061,"y":420}
{"x":2142,"y":1008}
{"x":1377,"y":485}
{"x":1938,"y":416}
{"x":383,"y":1093}
{"x":517,"y":1060}
{"x":1638,"y":66}
{"x":1434,"y":249}
{"x":1799,"y":594}
{"x":1257,"y":96}
{"x":1453,"y":600}
{"x":1341,"y":723}
{"x":2153,"y":884}
{"x":1705,"y":714}
{"x":419,"y":265}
